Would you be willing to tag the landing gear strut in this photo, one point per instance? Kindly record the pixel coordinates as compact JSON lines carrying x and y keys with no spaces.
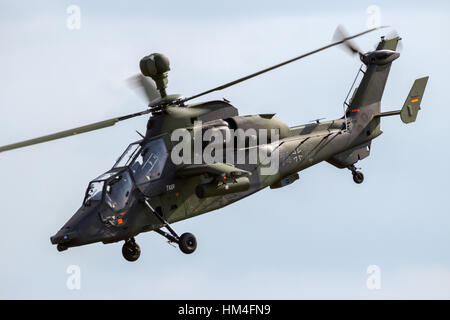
{"x":186,"y":242}
{"x":358,"y":176}
{"x":131,"y":250}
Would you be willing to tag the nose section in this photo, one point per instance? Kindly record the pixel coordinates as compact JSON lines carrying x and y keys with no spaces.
{"x":84,"y":227}
{"x":69,"y":235}
{"x":64,"y":237}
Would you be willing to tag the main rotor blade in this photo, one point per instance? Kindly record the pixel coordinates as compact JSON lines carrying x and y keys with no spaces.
{"x":340,"y":34}
{"x":232,"y":83}
{"x":71,"y":132}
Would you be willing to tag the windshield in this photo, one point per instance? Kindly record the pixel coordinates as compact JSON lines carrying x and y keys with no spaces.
{"x":94,"y":192}
{"x":106,"y":175}
{"x":118,"y":191}
{"x":149,"y":164}
{"x":114,"y":187}
{"x":126,"y":158}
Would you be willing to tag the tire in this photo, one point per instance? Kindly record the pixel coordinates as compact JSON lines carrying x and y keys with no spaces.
{"x":358,"y":177}
{"x":187,"y":243}
{"x":131,"y":251}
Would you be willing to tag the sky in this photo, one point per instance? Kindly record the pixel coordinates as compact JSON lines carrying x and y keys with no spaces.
{"x":314,"y":239}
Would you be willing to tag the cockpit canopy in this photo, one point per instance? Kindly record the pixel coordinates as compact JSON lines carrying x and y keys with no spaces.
{"x":141,"y":163}
{"x":114,"y":187}
{"x":150,"y":161}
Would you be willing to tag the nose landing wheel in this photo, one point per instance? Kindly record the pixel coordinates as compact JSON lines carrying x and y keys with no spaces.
{"x":131,"y":250}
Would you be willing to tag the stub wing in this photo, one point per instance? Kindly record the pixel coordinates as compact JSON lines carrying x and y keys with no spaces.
{"x":215,"y":169}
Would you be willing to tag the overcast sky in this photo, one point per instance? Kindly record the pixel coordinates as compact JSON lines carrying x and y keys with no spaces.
{"x":312,"y":239}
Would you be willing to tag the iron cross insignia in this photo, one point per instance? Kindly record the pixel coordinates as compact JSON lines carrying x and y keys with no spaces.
{"x":297,"y":154}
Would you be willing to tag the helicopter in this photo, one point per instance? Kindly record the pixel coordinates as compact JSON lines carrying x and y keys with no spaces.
{"x":155,"y":183}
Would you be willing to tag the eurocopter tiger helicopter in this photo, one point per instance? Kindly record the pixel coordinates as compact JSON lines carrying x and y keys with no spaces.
{"x":146,"y":191}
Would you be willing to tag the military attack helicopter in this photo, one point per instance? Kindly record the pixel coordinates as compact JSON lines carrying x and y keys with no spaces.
{"x":146,"y":190}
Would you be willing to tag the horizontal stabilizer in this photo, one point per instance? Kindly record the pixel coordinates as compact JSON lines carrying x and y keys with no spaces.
{"x":412,"y":104}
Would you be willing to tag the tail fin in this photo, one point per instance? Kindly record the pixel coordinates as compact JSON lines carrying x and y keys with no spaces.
{"x":371,"y":88}
{"x":412,"y":103}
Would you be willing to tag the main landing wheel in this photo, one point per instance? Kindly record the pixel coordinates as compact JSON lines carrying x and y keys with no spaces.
{"x":358,"y":177}
{"x":131,"y":250}
{"x":187,"y":243}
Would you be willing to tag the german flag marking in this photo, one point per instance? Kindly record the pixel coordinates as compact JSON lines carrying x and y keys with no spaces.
{"x":355,"y":110}
{"x":414,"y":99}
